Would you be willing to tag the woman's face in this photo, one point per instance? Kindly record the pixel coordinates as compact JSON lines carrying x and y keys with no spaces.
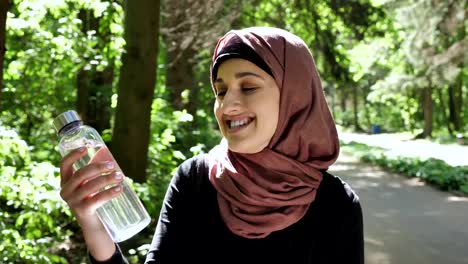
{"x":247,"y":105}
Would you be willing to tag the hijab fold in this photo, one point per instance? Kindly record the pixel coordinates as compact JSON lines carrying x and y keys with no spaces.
{"x":270,"y":190}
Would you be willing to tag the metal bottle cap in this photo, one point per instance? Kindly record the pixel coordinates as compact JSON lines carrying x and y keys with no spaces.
{"x":65,"y":118}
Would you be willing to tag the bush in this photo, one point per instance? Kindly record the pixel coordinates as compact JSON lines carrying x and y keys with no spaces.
{"x":36,"y":225}
{"x":433,"y":171}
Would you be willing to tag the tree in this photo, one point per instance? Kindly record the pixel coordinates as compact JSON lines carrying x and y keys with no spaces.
{"x":94,"y":80}
{"x":4,"y":4}
{"x":329,"y":28}
{"x":189,"y":27}
{"x":136,"y":87}
{"x":40,"y":64}
{"x":420,"y":55}
{"x":427,"y":107}
{"x":434,"y":47}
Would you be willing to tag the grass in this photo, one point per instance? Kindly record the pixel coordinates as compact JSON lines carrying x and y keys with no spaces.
{"x":433,"y":171}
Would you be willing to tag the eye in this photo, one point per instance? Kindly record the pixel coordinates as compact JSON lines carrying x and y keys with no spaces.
{"x":220,"y":93}
{"x":248,"y":89}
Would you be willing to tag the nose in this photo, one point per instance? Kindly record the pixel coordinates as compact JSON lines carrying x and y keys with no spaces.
{"x":232,"y":102}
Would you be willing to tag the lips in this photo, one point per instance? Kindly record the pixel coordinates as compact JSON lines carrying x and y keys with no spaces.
{"x":237,"y":124}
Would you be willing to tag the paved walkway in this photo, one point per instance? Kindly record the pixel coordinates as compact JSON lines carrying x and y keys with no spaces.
{"x":405,"y":221}
{"x":453,"y":154}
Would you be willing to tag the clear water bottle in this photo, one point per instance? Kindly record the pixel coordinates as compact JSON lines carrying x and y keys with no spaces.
{"x":123,"y":216}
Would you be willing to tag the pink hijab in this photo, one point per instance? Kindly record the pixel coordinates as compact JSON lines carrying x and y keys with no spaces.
{"x":270,"y":190}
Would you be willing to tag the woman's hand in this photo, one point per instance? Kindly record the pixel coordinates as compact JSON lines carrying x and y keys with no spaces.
{"x":84,"y":190}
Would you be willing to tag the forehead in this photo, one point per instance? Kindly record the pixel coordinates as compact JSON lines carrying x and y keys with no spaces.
{"x":235,"y":65}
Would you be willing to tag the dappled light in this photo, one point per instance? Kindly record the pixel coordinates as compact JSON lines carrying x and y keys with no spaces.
{"x":457,"y":199}
{"x":379,"y":257}
{"x":402,"y":145}
{"x":393,"y":73}
{"x":402,"y":214}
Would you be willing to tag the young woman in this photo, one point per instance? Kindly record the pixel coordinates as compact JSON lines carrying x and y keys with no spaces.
{"x":263,"y":195}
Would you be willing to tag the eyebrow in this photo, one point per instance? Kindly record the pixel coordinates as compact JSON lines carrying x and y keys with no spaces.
{"x":240,"y":75}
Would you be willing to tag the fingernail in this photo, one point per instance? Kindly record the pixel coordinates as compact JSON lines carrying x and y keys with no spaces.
{"x":117,"y":189}
{"x":118,"y":175}
{"x":82,"y":149}
{"x":110,"y":165}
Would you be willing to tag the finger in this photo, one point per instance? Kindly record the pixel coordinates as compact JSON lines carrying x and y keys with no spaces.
{"x":90,"y":189}
{"x":104,"y":154}
{"x":86,"y":174}
{"x":66,"y":165}
{"x":94,"y":186}
{"x":90,"y":205}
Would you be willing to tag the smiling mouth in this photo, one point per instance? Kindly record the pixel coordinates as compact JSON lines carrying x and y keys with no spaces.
{"x":236,"y":125}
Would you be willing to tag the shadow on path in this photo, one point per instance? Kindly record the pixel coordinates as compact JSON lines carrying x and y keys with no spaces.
{"x":406,"y":221}
{"x":452,"y":154}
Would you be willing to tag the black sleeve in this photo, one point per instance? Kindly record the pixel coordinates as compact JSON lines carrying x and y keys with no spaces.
{"x":352,"y":232}
{"x":117,"y":258}
{"x":342,"y":219}
{"x":173,"y":238}
{"x":355,"y":236}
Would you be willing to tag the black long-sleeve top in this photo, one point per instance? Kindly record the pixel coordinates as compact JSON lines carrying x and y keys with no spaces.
{"x":190,"y":228}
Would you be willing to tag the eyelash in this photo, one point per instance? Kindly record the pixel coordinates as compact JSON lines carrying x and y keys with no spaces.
{"x":244,"y":90}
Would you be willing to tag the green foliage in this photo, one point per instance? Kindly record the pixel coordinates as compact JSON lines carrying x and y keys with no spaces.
{"x":40,"y":63}
{"x":36,"y":224}
{"x":387,"y":115}
{"x":46,"y":47}
{"x":166,"y":153}
{"x":423,"y":45}
{"x":433,"y":171}
{"x":172,"y":141}
{"x":329,"y":28}
{"x":386,"y":49}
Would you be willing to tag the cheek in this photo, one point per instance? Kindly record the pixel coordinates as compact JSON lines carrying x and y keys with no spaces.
{"x":217,"y":112}
{"x":270,"y":113}
{"x":270,"y":109}
{"x":273,"y":120}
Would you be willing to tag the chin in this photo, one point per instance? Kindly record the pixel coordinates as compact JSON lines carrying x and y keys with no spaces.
{"x":244,"y":148}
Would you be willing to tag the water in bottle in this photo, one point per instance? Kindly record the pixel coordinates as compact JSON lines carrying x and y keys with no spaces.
{"x":123,"y":216}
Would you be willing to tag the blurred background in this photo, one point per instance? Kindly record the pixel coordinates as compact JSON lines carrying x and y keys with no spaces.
{"x":393,"y":71}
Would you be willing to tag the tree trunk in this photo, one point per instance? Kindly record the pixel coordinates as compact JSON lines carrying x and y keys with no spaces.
{"x":445,"y":118}
{"x":95,"y":87}
{"x":82,"y":94}
{"x":192,"y":104}
{"x":180,"y":53}
{"x":461,"y":105}
{"x":94,"y":97}
{"x":355,"y":109}
{"x":455,"y":105}
{"x":180,"y":75}
{"x":4,"y":5}
{"x":411,"y":93}
{"x":136,"y":87}
{"x":343,"y":99}
{"x":427,"y":112}
{"x":366,"y":106}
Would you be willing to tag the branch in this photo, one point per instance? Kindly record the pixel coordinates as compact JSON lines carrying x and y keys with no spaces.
{"x":455,"y":54}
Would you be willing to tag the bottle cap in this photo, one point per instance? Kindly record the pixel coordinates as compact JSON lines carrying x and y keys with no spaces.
{"x":65,"y":118}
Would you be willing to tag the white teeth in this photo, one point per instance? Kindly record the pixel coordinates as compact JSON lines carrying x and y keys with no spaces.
{"x":235,"y":124}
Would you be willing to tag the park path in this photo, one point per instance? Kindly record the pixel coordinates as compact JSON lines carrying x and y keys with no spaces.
{"x":452,"y":154}
{"x":406,"y":221}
